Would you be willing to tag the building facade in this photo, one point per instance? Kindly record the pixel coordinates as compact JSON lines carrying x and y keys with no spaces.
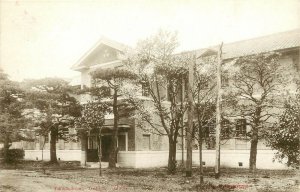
{"x":142,"y":148}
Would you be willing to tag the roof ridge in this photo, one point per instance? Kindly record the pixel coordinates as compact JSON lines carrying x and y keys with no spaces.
{"x":255,"y":38}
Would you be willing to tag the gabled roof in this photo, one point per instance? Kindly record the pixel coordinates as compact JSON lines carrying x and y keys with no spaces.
{"x":277,"y":41}
{"x":103,"y":41}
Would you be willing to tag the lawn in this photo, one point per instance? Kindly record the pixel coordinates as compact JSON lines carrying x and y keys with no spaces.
{"x":122,"y":179}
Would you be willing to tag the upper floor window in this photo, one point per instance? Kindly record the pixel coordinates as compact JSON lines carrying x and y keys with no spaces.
{"x":225,"y":79}
{"x":145,"y":90}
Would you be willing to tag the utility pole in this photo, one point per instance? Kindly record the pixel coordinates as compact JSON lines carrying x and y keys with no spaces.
{"x":182,"y":121}
{"x":189,"y":138}
{"x":218,"y":113}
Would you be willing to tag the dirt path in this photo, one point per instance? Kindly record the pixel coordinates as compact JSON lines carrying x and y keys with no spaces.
{"x":31,"y":181}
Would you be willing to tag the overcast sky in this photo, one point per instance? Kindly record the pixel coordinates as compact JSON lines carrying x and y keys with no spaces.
{"x":45,"y":38}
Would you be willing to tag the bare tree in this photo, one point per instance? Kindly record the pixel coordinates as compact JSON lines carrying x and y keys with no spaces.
{"x":162,"y":75}
{"x":258,"y":84}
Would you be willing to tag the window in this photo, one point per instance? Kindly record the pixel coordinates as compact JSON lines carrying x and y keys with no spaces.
{"x":169,"y":91}
{"x":146,"y":142}
{"x":209,"y":129}
{"x":203,"y":85}
{"x":145,"y":91}
{"x":122,"y":143}
{"x":240,"y":127}
{"x":92,"y":142}
{"x":225,"y":79}
{"x":225,"y":129}
{"x":46,"y":139}
{"x":209,"y":135}
{"x":66,"y":134}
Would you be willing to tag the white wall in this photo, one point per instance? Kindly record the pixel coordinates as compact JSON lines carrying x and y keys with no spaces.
{"x":64,"y":155}
{"x":148,"y":159}
{"x":229,"y":158}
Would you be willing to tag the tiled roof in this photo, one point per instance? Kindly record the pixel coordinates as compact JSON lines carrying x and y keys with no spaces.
{"x":278,"y":41}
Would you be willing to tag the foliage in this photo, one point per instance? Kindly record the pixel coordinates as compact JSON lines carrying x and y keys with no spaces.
{"x":12,"y":121}
{"x":162,"y":75}
{"x":284,"y":135}
{"x":112,"y":79}
{"x":53,"y":108}
{"x":14,"y":155}
{"x":259,"y":83}
{"x":52,"y":105}
{"x":92,"y":116}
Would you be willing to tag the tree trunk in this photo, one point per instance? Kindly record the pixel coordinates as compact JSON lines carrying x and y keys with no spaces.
{"x":6,"y":148}
{"x":114,"y":151}
{"x":53,"y":138}
{"x":200,"y":154}
{"x":253,"y":151}
{"x":254,"y":140}
{"x":172,"y":156}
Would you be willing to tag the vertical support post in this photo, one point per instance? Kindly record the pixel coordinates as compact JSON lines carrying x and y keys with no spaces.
{"x":100,"y":152}
{"x":218,"y":113}
{"x":189,"y":138}
{"x":84,"y":147}
{"x":182,"y":122}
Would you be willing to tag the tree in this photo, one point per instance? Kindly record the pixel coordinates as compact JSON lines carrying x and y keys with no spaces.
{"x":11,"y":117}
{"x":93,"y":119}
{"x":57,"y":109}
{"x":114,"y":79}
{"x":258,"y":82}
{"x":162,"y":75}
{"x":204,"y":101}
{"x":284,"y":136}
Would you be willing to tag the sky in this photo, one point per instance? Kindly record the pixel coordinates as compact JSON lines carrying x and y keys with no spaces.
{"x":43,"y":38}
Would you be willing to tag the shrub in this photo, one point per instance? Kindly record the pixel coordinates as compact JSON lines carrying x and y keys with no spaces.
{"x":14,"y":155}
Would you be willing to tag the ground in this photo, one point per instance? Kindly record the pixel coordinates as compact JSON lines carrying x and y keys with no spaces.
{"x":72,"y":178}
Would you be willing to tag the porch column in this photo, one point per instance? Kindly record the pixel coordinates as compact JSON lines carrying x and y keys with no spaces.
{"x":84,"y":146}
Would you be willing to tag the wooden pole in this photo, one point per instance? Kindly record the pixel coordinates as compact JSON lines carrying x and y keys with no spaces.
{"x":190,"y":120}
{"x":218,"y":113}
{"x":182,"y":122}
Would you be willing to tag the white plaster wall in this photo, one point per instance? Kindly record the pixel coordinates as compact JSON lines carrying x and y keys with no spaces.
{"x":148,"y":159}
{"x":229,"y":158}
{"x":64,"y":155}
{"x":85,"y":78}
{"x":142,"y":159}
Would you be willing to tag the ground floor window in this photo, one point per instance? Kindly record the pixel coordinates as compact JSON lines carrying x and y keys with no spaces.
{"x":122,"y":143}
{"x":240,"y":128}
{"x":146,"y":142}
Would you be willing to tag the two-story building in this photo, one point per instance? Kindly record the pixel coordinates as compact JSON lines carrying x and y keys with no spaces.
{"x":141,"y":148}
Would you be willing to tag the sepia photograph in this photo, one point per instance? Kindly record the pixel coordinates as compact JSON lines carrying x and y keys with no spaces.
{"x":149,"y":95}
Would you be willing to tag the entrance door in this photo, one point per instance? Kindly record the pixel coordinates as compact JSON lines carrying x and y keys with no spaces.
{"x":92,"y":152}
{"x":105,"y":145}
